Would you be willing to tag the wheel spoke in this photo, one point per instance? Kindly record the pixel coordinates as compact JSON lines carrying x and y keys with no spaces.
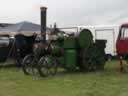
{"x":27,"y":64}
{"x":47,"y":66}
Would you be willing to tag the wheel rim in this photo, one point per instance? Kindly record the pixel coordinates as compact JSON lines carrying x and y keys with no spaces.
{"x":53,"y":68}
{"x":34,"y":68}
{"x":27,"y":64}
{"x":47,"y":66}
{"x":43,"y":67}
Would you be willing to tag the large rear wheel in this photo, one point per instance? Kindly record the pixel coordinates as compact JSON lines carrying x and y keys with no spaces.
{"x":88,"y":58}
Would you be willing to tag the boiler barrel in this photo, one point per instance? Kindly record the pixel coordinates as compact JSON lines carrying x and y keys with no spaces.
{"x":70,"y":59}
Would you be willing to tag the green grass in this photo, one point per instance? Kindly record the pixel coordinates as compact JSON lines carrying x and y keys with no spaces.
{"x":110,"y":82}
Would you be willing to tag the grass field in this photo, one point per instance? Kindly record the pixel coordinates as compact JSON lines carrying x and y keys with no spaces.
{"x":13,"y":82}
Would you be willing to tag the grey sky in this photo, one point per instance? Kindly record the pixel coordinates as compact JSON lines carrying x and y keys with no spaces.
{"x":66,"y":12}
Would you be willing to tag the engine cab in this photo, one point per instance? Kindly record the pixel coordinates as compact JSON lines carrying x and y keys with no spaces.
{"x":122,"y":40}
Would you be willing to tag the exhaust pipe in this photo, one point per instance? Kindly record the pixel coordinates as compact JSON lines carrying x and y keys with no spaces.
{"x":43,"y":23}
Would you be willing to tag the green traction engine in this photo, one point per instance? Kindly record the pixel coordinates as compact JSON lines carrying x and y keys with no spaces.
{"x":70,"y":51}
{"x":75,"y":53}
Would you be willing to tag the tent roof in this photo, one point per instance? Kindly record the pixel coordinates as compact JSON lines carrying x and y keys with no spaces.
{"x":24,"y":27}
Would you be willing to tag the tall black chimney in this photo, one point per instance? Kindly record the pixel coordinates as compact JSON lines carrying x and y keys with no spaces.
{"x":43,"y":23}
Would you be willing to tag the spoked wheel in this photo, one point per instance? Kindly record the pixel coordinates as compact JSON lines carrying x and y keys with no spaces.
{"x":34,"y":67}
{"x":47,"y":66}
{"x":90,"y":64}
{"x":54,"y":67}
{"x":27,"y":64}
{"x":88,"y":59}
{"x":94,"y":59}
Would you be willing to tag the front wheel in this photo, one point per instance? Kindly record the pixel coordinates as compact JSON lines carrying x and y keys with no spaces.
{"x":47,"y":66}
{"x":27,"y":64}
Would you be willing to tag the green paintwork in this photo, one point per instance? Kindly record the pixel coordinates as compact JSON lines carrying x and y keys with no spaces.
{"x":56,"y":51}
{"x":85,"y":38}
{"x":71,"y":50}
{"x":70,"y":59}
{"x":70,"y":43}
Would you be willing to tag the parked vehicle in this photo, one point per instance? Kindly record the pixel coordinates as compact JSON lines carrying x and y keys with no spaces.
{"x":5,"y":46}
{"x":15,"y":48}
{"x":69,"y":51}
{"x":122,"y":44}
{"x":23,"y":46}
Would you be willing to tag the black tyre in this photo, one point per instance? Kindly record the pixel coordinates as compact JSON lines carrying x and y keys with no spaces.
{"x":90,"y":64}
{"x":27,"y":64}
{"x":88,"y":59}
{"x":54,"y":66}
{"x":47,"y":66}
{"x":35,"y":71}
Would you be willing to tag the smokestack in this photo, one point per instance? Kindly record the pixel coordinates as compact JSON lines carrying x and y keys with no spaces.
{"x":43,"y":22}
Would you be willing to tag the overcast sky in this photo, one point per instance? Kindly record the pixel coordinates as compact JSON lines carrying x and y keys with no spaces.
{"x":66,"y":12}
